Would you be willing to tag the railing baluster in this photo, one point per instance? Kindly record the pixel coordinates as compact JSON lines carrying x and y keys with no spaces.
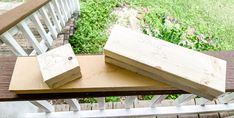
{"x":74,"y":103}
{"x":225,"y":98}
{"x":63,"y":10}
{"x":71,"y":6}
{"x":77,"y":4}
{"x":43,"y":105}
{"x":10,"y":41}
{"x":31,"y":38}
{"x":157,"y":99}
{"x":201,"y":101}
{"x":101,"y":103}
{"x":184,"y":98}
{"x":129,"y":101}
{"x":58,"y":11}
{"x":48,"y":39}
{"x":67,"y":8}
{"x":48,"y":23}
{"x":54,"y":17}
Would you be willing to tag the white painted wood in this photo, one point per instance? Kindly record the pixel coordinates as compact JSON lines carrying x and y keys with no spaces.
{"x":43,"y":45}
{"x":70,"y":6}
{"x":202,"y":101}
{"x":59,"y":66}
{"x":54,"y":17}
{"x":159,"y":111}
{"x":31,"y":38}
{"x":183,"y":99}
{"x":77,"y":3}
{"x":63,"y":10}
{"x":169,"y":61}
{"x":58,"y":11}
{"x":16,"y":109}
{"x":67,"y":8}
{"x":1,"y":42}
{"x":43,"y":105}
{"x":157,"y":99}
{"x":74,"y":6}
{"x":129,"y":101}
{"x":101,"y":103}
{"x":48,"y":39}
{"x":48,"y":23}
{"x":8,"y":39}
{"x":13,"y":31}
{"x":74,"y":104}
{"x":227,"y":97}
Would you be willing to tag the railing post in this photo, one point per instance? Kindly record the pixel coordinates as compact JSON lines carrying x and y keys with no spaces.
{"x":157,"y":99}
{"x":48,"y":39}
{"x":16,"y":48}
{"x":43,"y":105}
{"x":129,"y":101}
{"x":63,"y":10}
{"x":58,"y":11}
{"x":67,"y":7}
{"x":74,"y":104}
{"x":183,"y":98}
{"x":48,"y":23}
{"x":28,"y":33}
{"x":54,"y":17}
{"x":101,"y":103}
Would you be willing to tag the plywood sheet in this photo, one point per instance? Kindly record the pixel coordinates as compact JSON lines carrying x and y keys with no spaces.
{"x":96,"y":76}
{"x":199,"y":73}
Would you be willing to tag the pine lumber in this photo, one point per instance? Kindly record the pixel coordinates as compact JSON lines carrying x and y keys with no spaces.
{"x":97,"y":76}
{"x":177,"y":66}
{"x":59,"y":66}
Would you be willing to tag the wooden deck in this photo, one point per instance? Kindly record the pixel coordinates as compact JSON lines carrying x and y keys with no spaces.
{"x":145,"y":103}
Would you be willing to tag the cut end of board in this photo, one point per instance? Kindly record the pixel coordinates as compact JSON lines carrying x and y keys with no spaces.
{"x":177,"y":66}
{"x":59,"y":66}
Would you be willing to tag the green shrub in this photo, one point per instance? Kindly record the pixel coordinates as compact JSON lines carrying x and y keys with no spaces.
{"x":91,"y":33}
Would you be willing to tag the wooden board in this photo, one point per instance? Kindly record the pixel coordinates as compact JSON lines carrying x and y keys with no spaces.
{"x":59,"y":66}
{"x":199,"y":73}
{"x":14,"y":16}
{"x":96,"y":76}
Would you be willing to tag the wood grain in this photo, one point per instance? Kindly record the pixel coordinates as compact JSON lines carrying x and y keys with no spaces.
{"x":59,"y":66}
{"x":14,"y":16}
{"x":200,"y":74}
{"x":96,"y":76}
{"x":7,"y":66}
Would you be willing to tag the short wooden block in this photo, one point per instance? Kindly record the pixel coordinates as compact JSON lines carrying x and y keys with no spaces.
{"x":59,"y":66}
{"x":177,"y":66}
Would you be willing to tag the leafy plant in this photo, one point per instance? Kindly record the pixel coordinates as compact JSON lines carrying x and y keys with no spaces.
{"x":157,"y":26}
{"x":91,"y":33}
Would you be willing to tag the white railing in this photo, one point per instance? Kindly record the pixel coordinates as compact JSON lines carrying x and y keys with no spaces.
{"x":153,"y":109}
{"x":54,"y":15}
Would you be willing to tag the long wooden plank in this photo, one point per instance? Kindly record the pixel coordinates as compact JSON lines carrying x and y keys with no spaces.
{"x":13,"y":17}
{"x":7,"y":66}
{"x":199,"y":73}
{"x":96,"y":76}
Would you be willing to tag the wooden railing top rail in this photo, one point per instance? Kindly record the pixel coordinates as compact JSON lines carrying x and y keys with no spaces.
{"x":14,"y":16}
{"x":7,"y":66}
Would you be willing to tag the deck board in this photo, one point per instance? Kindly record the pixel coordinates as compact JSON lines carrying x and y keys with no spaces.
{"x":7,"y":66}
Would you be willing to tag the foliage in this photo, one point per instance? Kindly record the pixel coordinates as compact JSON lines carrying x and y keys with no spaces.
{"x":112,"y":99}
{"x":170,"y":30}
{"x":87,"y":100}
{"x":91,"y":33}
